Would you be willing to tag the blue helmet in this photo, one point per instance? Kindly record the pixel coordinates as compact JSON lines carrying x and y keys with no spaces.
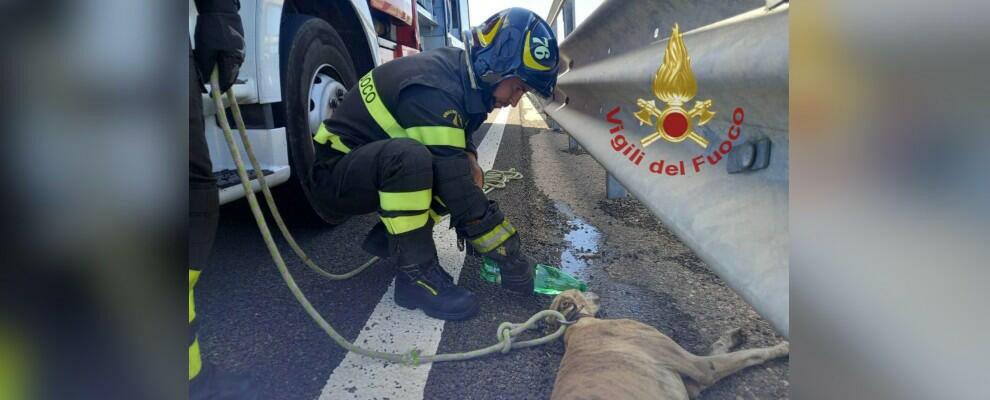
{"x":516,"y":42}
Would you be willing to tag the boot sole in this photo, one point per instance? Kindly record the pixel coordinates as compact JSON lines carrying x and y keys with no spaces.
{"x":440,"y":315}
{"x":519,"y":290}
{"x":523,"y":286}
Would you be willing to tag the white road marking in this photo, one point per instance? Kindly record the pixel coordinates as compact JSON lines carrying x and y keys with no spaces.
{"x":396,"y":329}
{"x":489,"y":146}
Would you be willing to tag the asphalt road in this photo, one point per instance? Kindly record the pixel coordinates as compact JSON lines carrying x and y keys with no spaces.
{"x":251,"y":324}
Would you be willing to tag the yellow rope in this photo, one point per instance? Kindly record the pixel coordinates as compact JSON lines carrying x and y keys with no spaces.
{"x":506,"y":331}
{"x":496,"y":179}
{"x":236,"y":109}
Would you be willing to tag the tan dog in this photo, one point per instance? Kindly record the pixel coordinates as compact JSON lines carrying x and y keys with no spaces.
{"x":626,"y":359}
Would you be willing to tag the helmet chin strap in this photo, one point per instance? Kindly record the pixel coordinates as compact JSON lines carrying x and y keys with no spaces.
{"x":468,"y":40}
{"x":489,"y":77}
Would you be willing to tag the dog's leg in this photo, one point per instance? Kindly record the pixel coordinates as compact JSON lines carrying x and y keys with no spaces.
{"x":693,"y":388}
{"x":723,"y":365}
{"x":726,"y":342}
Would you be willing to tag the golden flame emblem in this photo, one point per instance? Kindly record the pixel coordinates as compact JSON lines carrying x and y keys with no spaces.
{"x":674,"y":84}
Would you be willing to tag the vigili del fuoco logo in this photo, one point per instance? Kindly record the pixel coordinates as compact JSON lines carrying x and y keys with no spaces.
{"x":674,"y":84}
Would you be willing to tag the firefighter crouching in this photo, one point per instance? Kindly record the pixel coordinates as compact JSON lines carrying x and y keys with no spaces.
{"x":399,"y":144}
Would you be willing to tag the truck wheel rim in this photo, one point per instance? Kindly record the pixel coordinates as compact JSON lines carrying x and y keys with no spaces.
{"x":325,"y":95}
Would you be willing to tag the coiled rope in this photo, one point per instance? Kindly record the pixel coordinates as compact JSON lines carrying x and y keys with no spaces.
{"x":496,"y":179}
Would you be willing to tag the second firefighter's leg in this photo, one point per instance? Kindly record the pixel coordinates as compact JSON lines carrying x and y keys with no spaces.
{"x":204,"y":382}
{"x":203,"y":208}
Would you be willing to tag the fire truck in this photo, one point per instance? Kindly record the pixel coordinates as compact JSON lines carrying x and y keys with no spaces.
{"x":301,"y":56}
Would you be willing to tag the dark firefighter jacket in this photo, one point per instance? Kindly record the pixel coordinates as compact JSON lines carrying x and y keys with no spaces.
{"x":426,"y":97}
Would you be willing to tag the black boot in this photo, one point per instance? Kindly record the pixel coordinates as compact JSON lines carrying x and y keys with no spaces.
{"x":494,"y":237}
{"x":428,"y":287}
{"x":516,"y":268}
{"x":212,"y":384}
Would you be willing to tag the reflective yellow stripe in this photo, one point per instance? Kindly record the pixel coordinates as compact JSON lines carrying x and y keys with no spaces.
{"x":435,"y":216}
{"x":423,"y":284}
{"x":437,"y":135}
{"x":494,"y":237}
{"x":438,"y":207}
{"x":373,"y":102}
{"x":195,"y":363}
{"x":405,"y":201}
{"x":323,"y":136}
{"x":193,"y":277}
{"x":405,"y":223}
{"x":18,"y":363}
{"x":427,"y":135}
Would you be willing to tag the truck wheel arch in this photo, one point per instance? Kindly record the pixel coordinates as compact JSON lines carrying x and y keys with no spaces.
{"x":316,"y":71}
{"x":351,"y":20}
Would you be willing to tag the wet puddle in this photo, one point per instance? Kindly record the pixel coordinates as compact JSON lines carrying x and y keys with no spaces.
{"x":582,"y":243}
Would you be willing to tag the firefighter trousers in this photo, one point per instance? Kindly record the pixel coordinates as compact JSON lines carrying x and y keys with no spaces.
{"x":407,"y":185}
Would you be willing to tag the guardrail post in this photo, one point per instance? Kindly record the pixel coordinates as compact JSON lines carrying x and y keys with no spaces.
{"x":614,"y":188}
{"x":552,"y":124}
{"x":572,"y":145}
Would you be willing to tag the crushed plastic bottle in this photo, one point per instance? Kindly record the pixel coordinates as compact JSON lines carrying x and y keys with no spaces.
{"x":549,"y":281}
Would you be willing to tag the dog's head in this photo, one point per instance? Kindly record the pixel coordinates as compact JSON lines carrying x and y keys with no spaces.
{"x":572,"y":303}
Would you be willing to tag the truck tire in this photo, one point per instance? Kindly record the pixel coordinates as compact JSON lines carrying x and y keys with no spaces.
{"x":316,"y":72}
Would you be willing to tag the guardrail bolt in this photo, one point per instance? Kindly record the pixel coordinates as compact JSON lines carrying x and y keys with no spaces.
{"x":749,"y":156}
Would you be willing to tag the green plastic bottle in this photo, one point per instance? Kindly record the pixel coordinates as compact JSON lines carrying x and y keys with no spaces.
{"x":549,"y":281}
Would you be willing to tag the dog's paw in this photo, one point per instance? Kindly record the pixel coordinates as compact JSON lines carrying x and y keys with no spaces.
{"x":782,"y":349}
{"x":735,"y":337}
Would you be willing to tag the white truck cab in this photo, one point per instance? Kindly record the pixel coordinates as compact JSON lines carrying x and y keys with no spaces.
{"x":301,"y":56}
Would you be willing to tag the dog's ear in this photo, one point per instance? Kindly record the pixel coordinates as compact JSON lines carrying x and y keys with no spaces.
{"x":567,"y":307}
{"x":564,"y":303}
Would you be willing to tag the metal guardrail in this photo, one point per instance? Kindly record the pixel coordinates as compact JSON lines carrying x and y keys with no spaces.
{"x":736,"y":222}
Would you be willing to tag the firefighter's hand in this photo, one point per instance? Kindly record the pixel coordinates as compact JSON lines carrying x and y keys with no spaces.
{"x":476,"y":172}
{"x":219,"y":42}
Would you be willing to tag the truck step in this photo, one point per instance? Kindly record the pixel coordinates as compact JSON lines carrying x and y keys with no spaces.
{"x":228,"y":177}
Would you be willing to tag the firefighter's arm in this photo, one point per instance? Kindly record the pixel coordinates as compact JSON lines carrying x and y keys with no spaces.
{"x":476,"y":172}
{"x":435,"y":119}
{"x":219,"y":39}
